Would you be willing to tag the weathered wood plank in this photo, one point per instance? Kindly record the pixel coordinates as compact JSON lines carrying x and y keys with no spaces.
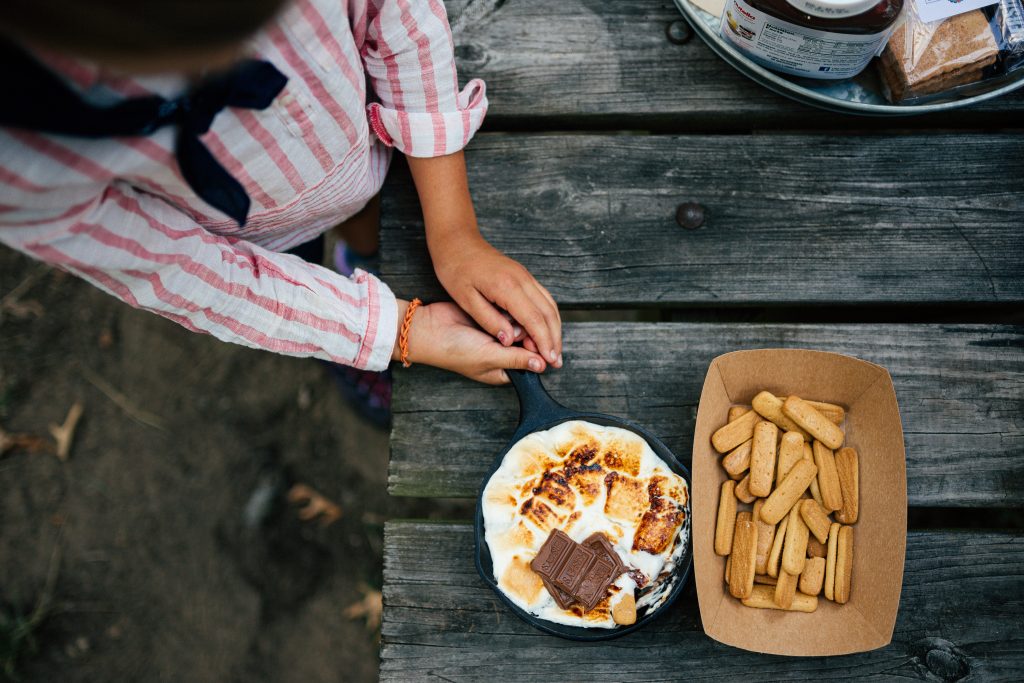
{"x":789,"y":219}
{"x":959,"y":616}
{"x":612,"y":64}
{"x":960,"y":390}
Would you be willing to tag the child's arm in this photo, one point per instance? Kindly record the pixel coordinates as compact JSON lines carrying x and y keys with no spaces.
{"x":154,"y":257}
{"x":482,"y":280}
{"x":409,"y":56}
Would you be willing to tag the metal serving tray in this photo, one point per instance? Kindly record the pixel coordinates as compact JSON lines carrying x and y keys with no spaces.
{"x":860,"y":95}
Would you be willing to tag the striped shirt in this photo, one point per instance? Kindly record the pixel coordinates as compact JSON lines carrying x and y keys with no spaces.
{"x":363,"y":76}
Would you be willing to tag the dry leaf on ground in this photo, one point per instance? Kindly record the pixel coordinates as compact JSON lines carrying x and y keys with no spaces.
{"x":369,"y":608}
{"x":314,"y":505}
{"x":64,"y":434}
{"x":25,"y":442}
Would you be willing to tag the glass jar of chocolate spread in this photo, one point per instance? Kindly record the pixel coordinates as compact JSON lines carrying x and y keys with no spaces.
{"x":829,"y":39}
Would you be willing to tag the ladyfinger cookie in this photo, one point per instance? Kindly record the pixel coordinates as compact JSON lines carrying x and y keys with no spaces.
{"x":726,"y":518}
{"x":786,"y":494}
{"x":813,"y":576}
{"x":765,"y":579}
{"x":775,"y":556}
{"x":816,"y":548}
{"x":816,"y":424}
{"x":848,"y":468}
{"x":737,"y":461}
{"x":794,"y":548}
{"x":737,"y":411}
{"x":791,"y":449}
{"x":762,"y":458}
{"x":743,"y":490}
{"x":809,"y":455}
{"x":765,"y":538}
{"x":830,"y":561}
{"x":744,"y":554}
{"x":833,"y":412}
{"x":828,"y":477}
{"x":763,"y":597}
{"x":736,"y":432}
{"x":785,"y":589}
{"x":769,"y":407}
{"x":815,"y":518}
{"x":844,"y":564}
{"x":728,"y":569}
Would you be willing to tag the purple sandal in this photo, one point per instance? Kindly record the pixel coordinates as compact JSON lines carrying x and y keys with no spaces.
{"x":346,"y":261}
{"x":369,"y":393}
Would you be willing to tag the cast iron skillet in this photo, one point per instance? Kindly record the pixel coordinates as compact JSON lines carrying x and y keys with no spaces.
{"x":538,"y":412}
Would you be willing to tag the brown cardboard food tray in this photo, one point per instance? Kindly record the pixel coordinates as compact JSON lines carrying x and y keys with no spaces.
{"x":873,"y":427}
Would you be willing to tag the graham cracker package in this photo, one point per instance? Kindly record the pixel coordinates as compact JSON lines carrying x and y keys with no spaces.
{"x":926,"y":58}
{"x":805,"y":446}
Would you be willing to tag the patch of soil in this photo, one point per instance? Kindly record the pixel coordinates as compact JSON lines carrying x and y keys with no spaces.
{"x":181,"y":557}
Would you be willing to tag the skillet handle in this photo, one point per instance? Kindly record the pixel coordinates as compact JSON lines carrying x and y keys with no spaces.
{"x":536,"y":407}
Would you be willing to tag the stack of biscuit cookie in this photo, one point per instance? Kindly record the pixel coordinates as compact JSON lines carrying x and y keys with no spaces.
{"x":924,"y":59}
{"x":785,"y":457}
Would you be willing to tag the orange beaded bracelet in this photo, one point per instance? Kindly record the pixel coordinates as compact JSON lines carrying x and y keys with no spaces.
{"x":403,"y":336}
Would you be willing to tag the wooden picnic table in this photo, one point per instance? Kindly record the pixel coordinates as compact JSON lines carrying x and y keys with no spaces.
{"x":900,"y":241}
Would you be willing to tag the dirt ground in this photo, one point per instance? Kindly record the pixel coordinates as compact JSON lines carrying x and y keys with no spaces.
{"x":180,"y":557}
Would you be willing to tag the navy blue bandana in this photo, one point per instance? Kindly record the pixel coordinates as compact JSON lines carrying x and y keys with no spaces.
{"x":37,"y":99}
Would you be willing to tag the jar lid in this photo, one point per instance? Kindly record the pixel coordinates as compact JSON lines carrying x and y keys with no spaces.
{"x":833,"y":9}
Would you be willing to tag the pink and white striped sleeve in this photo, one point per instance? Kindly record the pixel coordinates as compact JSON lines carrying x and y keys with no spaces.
{"x":152,"y":256}
{"x":409,"y":56}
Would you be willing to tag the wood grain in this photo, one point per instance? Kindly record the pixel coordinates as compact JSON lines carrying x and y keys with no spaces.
{"x":959,"y":391}
{"x":789,"y":219}
{"x":959,"y":616}
{"x":611,"y":63}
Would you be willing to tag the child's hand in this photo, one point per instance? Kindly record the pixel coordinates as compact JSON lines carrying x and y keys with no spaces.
{"x":485,"y":282}
{"x":443,"y":335}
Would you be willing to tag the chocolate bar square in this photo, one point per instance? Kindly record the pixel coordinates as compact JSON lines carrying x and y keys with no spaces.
{"x":564,"y":600}
{"x":600,"y":545}
{"x":573,"y":570}
{"x":594,"y":585}
{"x":552,"y":554}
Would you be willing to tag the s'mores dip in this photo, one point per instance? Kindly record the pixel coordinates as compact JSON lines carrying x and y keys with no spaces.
{"x":585,"y":525}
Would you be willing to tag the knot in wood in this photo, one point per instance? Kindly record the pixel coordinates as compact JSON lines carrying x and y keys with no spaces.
{"x":679,"y":32}
{"x":942,"y":659}
{"x":470,"y":53}
{"x":690,"y":215}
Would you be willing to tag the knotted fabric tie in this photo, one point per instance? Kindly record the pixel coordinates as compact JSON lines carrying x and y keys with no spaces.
{"x":37,"y":99}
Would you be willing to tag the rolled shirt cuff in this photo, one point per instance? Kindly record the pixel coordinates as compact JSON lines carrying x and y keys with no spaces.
{"x":431,"y":134}
{"x":381,"y":324}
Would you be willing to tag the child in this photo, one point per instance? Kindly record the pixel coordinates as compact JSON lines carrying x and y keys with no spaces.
{"x":170,"y":151}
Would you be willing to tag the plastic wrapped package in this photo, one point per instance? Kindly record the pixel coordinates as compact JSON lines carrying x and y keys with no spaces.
{"x":923,"y":58}
{"x":1008,"y":27}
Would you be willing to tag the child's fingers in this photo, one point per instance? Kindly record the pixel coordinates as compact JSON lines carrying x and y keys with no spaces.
{"x":541,"y":322}
{"x":491,"y":320}
{"x":532,"y":318}
{"x":530,"y":345}
{"x":554,"y":319}
{"x":547,"y":295}
{"x":514,"y":358}
{"x":533,"y":311}
{"x":518,"y":333}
